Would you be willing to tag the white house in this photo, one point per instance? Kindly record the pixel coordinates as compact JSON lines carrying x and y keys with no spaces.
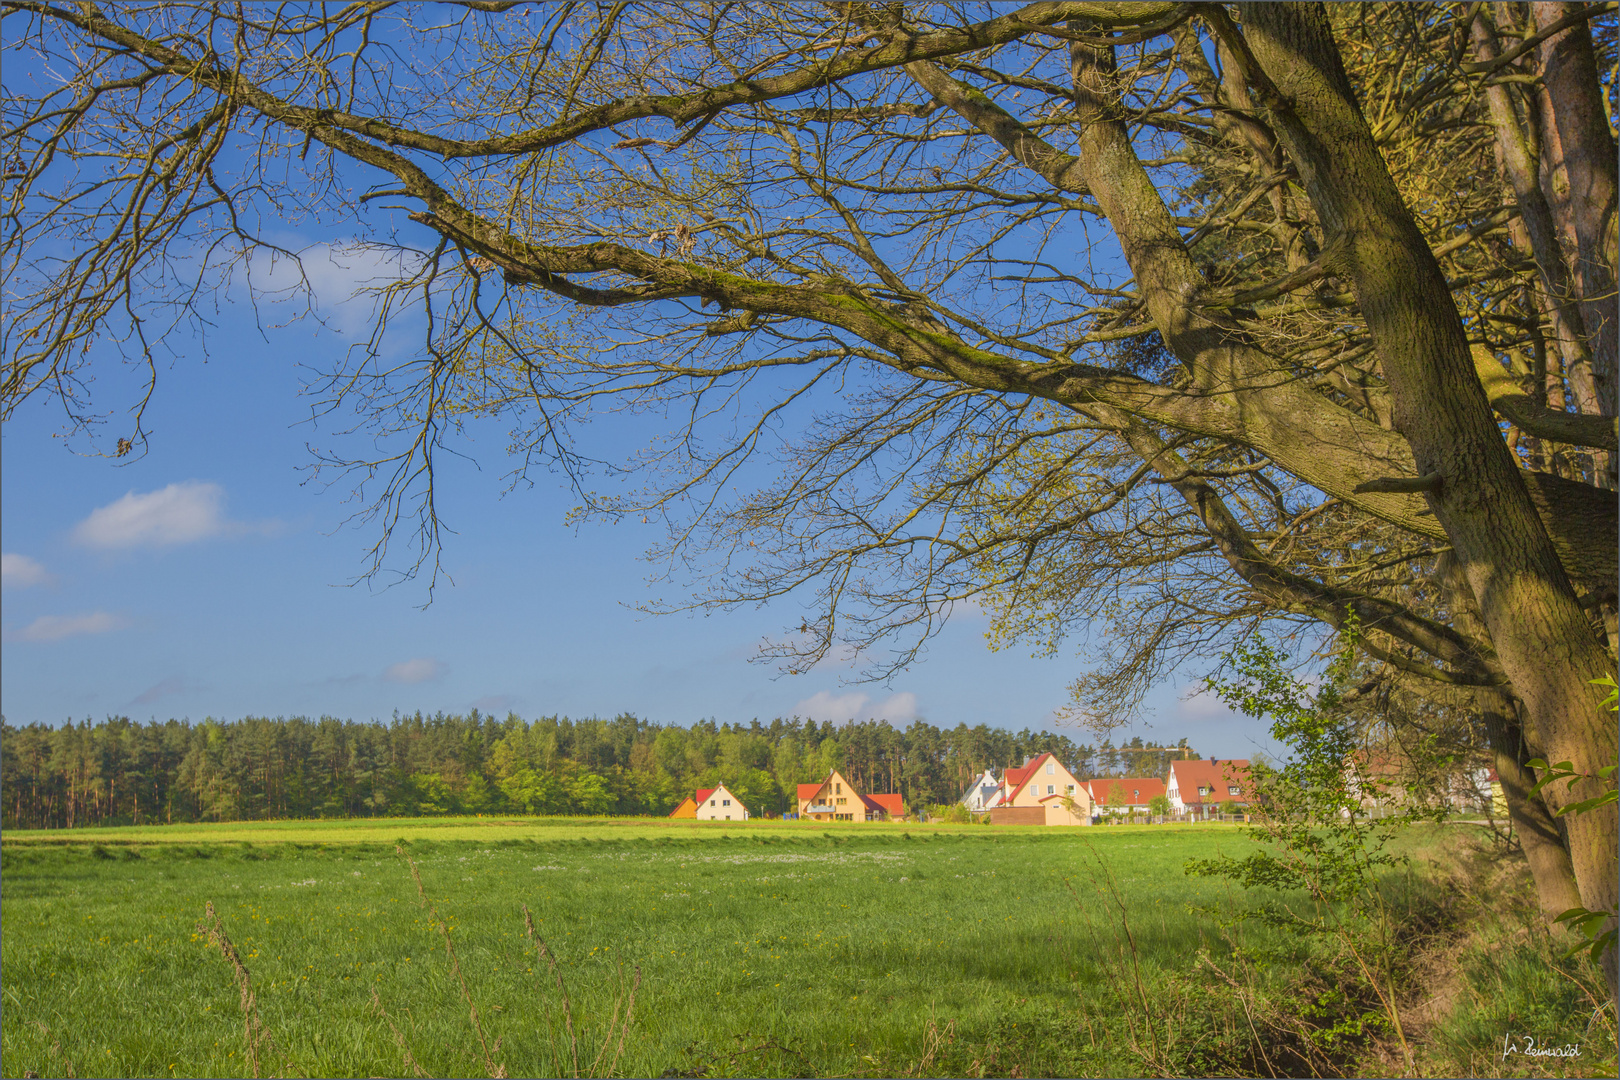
{"x":985,"y":793}
{"x":720,"y":805}
{"x":1200,"y":788}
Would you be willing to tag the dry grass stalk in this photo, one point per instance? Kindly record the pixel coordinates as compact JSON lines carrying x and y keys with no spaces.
{"x":935,"y":1039}
{"x":624,"y":1025}
{"x":66,"y":1068}
{"x":256,"y":1034}
{"x":568,"y":1016}
{"x":399,"y":1036}
{"x":496,"y":1070}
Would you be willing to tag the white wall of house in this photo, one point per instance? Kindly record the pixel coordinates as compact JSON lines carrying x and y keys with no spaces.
{"x":1172,"y":791}
{"x":722,"y":805}
{"x":984,"y":793}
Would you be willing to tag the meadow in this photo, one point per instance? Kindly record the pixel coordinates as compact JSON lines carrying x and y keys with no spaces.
{"x":760,"y":949}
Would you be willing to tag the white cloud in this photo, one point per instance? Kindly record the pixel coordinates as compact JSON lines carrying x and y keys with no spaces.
{"x":422,"y":669}
{"x":840,"y":708}
{"x":899,"y":707}
{"x":57,"y":627}
{"x":177,"y":514}
{"x":19,"y":572}
{"x":334,"y":279}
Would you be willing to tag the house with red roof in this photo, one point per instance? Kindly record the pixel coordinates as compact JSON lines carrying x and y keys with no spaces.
{"x":711,"y":804}
{"x":1125,"y":795}
{"x":1214,"y":786}
{"x":1042,"y":791}
{"x":836,"y":799}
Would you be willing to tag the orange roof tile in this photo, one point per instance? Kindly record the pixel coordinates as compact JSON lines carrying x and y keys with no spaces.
{"x":1133,"y":789}
{"x":808,"y":791}
{"x":704,"y":793}
{"x":890,"y":804}
{"x":1216,"y":774}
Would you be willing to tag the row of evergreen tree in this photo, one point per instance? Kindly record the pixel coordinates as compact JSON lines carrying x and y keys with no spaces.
{"x":121,"y":772}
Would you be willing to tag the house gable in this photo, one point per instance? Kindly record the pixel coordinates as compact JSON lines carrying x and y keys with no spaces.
{"x":1045,"y":777}
{"x":719,"y":804}
{"x":836,"y":799}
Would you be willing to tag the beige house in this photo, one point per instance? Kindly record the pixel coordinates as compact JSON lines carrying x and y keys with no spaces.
{"x":718,"y":804}
{"x":1042,"y":792}
{"x":835,"y":799}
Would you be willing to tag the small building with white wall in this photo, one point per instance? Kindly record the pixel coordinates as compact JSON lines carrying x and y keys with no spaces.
{"x":718,"y":804}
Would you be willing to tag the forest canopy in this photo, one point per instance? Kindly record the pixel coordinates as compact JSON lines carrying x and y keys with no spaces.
{"x":120,"y":772}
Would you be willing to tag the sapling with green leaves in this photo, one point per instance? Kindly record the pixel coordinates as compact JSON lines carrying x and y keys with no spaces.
{"x":1312,"y":822}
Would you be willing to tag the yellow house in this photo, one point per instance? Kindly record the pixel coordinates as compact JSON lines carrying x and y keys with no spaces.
{"x":835,"y":799}
{"x":1042,"y":792}
{"x":687,"y":809}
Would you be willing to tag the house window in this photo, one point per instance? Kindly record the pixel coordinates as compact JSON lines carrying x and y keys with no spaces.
{"x":1068,"y":789}
{"x":1049,"y":768}
{"x":838,"y":787}
{"x":711,"y":802}
{"x":1202,"y":790}
{"x":841,"y":802}
{"x":1050,"y":789}
{"x":1232,"y":789}
{"x":725,"y":802}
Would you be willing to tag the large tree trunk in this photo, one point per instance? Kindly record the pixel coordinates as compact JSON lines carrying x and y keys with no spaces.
{"x":1541,"y":636}
{"x":1579,"y":130}
{"x":1544,"y":849}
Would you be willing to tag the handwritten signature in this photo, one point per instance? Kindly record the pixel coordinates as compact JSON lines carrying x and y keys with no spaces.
{"x":1527,"y":1046}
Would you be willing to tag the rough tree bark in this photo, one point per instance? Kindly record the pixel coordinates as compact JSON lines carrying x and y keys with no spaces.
{"x":1587,"y":161}
{"x":1543,"y":639}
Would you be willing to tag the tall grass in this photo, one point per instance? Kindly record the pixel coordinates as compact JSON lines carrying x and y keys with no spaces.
{"x":977,"y":951}
{"x":257,"y":1036}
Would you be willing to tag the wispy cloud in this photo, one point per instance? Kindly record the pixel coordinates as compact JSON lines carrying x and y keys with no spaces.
{"x":174,"y":684}
{"x":181,"y":513}
{"x":20,"y":572}
{"x":342,"y":680}
{"x":838,"y":708}
{"x":422,"y":669}
{"x":337,"y":279}
{"x":1201,"y":704}
{"x":57,"y":627}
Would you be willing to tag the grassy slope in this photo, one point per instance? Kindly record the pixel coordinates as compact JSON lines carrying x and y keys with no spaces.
{"x":764,"y":949}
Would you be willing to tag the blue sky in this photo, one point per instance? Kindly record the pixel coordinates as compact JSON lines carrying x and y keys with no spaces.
{"x":211,"y":577}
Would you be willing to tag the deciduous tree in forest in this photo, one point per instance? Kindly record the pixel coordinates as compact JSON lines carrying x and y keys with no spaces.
{"x":1190,"y":317}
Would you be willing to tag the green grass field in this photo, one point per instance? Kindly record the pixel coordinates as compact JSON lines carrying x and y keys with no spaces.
{"x":764,"y":949}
